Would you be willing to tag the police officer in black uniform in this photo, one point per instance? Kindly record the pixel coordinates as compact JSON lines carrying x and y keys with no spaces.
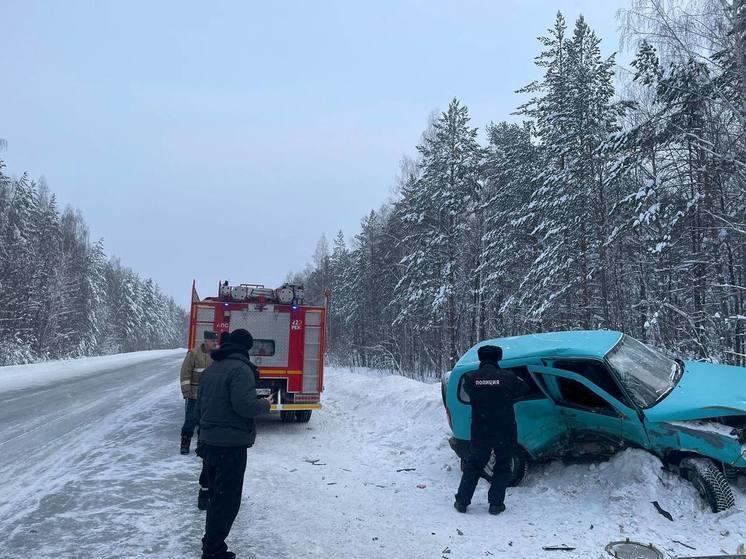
{"x":492,"y":393}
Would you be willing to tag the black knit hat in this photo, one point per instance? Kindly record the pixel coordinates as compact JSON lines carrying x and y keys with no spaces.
{"x":224,"y":337}
{"x":241,"y":338}
{"x":490,"y":353}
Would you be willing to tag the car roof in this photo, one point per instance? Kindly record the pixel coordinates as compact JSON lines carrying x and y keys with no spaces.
{"x":575,"y":343}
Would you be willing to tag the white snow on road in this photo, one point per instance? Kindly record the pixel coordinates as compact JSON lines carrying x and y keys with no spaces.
{"x":17,"y":377}
{"x":331,"y":489}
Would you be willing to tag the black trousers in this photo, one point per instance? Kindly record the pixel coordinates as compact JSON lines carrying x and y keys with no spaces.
{"x":190,"y":418}
{"x":225,"y":467}
{"x":479,"y":456}
{"x":204,"y":481}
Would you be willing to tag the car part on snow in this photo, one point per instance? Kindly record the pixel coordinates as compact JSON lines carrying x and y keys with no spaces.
{"x":633,"y":550}
{"x":664,"y":513}
{"x":558,"y":548}
{"x":303,"y":416}
{"x":709,"y":481}
{"x":682,"y":544}
{"x":287,"y":416}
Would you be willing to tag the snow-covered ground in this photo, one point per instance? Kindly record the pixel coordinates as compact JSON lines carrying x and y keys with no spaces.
{"x":47,"y":373}
{"x":91,"y":469}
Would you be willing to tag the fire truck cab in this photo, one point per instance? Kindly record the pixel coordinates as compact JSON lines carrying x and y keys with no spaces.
{"x":288,"y":340}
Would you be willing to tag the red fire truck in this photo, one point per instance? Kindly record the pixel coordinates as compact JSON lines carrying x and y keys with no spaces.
{"x":288,"y":340}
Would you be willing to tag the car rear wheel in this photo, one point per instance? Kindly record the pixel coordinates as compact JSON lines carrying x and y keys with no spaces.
{"x":287,"y":416}
{"x":709,"y":482}
{"x":519,"y":468}
{"x":303,"y":416}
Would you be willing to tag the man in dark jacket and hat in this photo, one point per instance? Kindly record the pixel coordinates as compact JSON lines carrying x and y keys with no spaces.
{"x":492,"y":393}
{"x":227,"y":405}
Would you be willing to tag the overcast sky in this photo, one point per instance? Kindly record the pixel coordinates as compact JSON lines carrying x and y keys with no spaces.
{"x":213,"y":140}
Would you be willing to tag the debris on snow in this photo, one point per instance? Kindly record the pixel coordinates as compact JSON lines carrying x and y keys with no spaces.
{"x":561,"y":547}
{"x":683,"y":544}
{"x":662,"y":511}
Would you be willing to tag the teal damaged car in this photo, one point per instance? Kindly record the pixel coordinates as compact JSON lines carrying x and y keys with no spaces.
{"x":595,"y":393}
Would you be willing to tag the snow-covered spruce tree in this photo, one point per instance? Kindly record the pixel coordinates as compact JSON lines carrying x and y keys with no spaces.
{"x":574,"y":114}
{"x":16,"y":269}
{"x":95,"y":311}
{"x":511,"y":173}
{"x":436,"y":210}
{"x":337,"y":342}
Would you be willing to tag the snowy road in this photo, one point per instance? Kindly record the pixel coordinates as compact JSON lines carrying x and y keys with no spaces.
{"x":91,"y":469}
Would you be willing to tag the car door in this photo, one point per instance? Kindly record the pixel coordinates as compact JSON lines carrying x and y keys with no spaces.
{"x":589,"y":410}
{"x":598,"y":374}
{"x":541,"y":430}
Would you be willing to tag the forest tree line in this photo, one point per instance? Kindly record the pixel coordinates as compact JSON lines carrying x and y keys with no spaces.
{"x":60,"y":295}
{"x":616,"y":202}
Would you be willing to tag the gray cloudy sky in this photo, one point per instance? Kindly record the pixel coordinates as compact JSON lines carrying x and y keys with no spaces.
{"x":219,"y":140}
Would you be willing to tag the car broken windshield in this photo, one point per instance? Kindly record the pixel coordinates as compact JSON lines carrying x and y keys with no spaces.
{"x":647,"y":375}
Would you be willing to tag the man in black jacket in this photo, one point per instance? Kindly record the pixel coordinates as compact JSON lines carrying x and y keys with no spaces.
{"x":492,"y":393}
{"x":227,"y":405}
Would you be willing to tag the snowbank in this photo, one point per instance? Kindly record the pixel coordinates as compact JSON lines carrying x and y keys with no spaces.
{"x":17,"y":377}
{"x":584,"y":505}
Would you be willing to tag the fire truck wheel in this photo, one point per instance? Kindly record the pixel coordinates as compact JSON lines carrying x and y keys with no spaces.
{"x":303,"y":416}
{"x":287,"y":416}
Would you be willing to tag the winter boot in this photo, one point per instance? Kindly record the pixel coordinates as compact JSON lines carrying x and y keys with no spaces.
{"x":185,"y":442}
{"x":497,"y":509}
{"x":459,"y":506}
{"x":203,"y":499}
{"x":219,"y":555}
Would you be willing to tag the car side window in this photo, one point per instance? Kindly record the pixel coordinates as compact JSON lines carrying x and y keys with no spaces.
{"x":575,"y":394}
{"x":523,"y":374}
{"x":462,"y":395}
{"x":595,"y":372}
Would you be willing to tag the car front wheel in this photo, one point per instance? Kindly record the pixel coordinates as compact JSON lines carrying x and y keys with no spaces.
{"x":709,"y":482}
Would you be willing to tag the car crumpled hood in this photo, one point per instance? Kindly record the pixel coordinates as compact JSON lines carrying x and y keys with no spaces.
{"x":705,"y":390}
